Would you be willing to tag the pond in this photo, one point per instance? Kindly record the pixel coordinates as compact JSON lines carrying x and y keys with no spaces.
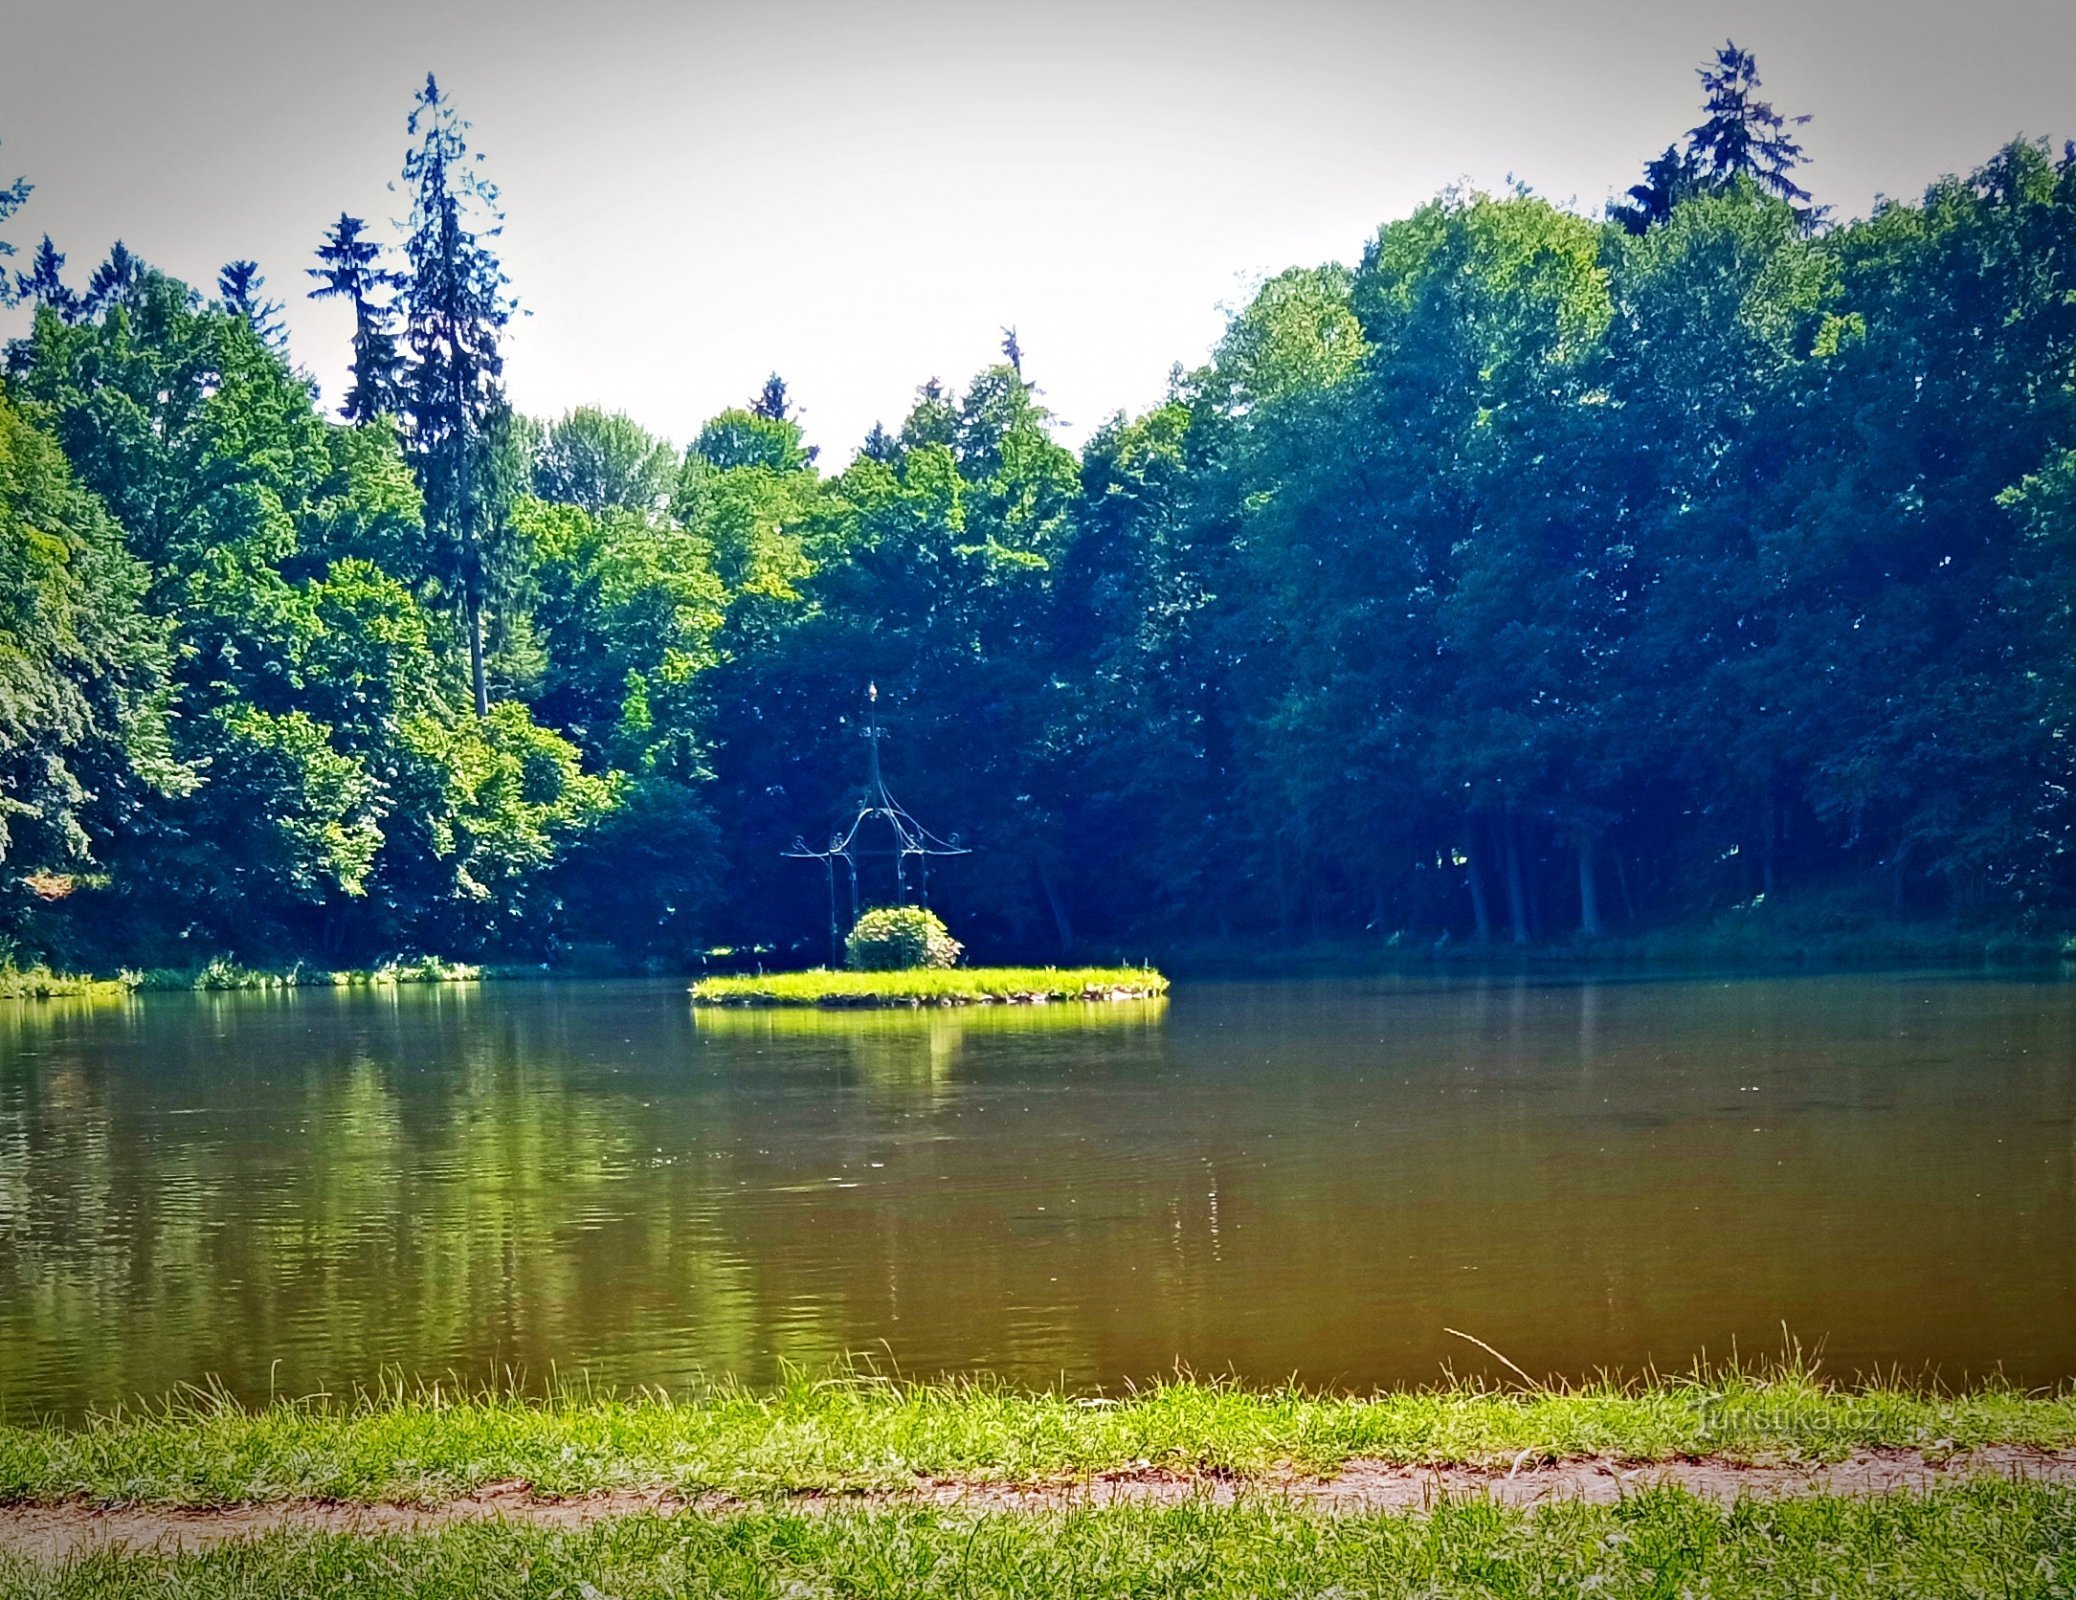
{"x":288,"y":1193}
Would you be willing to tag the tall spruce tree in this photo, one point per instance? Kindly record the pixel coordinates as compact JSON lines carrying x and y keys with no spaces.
{"x":1744,"y":136}
{"x":771,"y":402}
{"x":1671,"y":178}
{"x":242,"y":288}
{"x":456,"y":305}
{"x":112,"y":281}
{"x":350,"y":266}
{"x":44,"y":284}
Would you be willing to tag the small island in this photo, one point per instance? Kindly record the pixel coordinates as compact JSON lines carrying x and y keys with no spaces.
{"x":927,"y":986}
{"x":905,"y":956}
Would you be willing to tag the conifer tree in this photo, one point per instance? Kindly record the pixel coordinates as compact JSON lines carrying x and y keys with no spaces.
{"x":1671,"y":178}
{"x":880,"y":446}
{"x":242,"y":288}
{"x":771,"y":402}
{"x":456,"y":305}
{"x":44,"y":285}
{"x":112,"y":280}
{"x":350,"y":266}
{"x":1744,"y":136}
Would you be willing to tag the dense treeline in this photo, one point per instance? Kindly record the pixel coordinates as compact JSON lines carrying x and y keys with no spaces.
{"x":1540,"y":574}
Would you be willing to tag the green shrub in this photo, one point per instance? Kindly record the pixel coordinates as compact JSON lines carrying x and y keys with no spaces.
{"x":895,"y":938}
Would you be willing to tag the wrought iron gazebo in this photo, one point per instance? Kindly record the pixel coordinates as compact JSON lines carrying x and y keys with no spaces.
{"x":911,"y":845}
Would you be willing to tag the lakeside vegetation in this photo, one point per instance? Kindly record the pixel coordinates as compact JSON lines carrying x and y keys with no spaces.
{"x":2012,"y":1540}
{"x":846,"y":1432}
{"x":1539,"y":573}
{"x":932,"y":986}
{"x":40,"y":983}
{"x":223,"y":974}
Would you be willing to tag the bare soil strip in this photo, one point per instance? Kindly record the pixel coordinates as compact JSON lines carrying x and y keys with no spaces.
{"x":54,"y":1532}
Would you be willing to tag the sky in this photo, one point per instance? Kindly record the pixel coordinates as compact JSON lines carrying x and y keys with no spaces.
{"x":862,"y":195}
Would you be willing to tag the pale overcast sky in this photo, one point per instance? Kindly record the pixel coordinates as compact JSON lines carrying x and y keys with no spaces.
{"x":860,"y":195}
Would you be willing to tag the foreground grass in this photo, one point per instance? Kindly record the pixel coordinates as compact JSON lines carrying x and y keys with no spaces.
{"x":1982,"y":1538}
{"x":850,"y":1432}
{"x":929,"y":986}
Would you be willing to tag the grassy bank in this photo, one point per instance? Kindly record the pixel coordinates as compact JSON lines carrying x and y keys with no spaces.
{"x":849,"y":1432}
{"x":954,"y":986}
{"x":221,"y":974}
{"x":2010,"y":1540}
{"x":40,"y":983}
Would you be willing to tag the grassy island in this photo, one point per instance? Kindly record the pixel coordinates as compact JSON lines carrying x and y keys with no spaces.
{"x":927,"y":986}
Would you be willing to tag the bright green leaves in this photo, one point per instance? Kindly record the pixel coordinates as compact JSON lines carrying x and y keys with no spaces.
{"x":627,"y":612}
{"x":290,"y":818}
{"x":82,"y":706}
{"x":1506,"y":285}
{"x":603,"y":462}
{"x":494,"y":801}
{"x":1299,"y":333}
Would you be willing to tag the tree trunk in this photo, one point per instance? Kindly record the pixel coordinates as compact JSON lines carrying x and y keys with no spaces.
{"x":471,"y":550}
{"x":481,"y":684}
{"x":1589,"y":890}
{"x":1481,"y":910}
{"x":1517,"y":898}
{"x":1769,"y":823}
{"x":1283,"y":928}
{"x":1058,"y":906}
{"x":1622,"y":881}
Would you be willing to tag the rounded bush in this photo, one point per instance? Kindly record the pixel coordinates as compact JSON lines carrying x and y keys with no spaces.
{"x":894,"y":938}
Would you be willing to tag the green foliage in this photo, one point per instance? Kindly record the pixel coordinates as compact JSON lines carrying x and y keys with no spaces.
{"x":740,"y":438}
{"x":308,"y":811}
{"x":40,"y":983}
{"x":899,"y":938}
{"x":603,"y":462}
{"x":83,"y":735}
{"x":487,"y":807}
{"x":1537,"y":578}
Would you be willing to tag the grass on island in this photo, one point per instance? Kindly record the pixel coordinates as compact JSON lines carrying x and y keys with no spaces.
{"x":1980,"y":1538}
{"x":854,"y":1432}
{"x":925,"y":986}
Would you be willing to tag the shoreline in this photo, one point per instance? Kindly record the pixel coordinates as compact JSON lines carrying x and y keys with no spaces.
{"x":847,"y":1433}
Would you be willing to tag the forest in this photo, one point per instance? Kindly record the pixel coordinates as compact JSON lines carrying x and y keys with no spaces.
{"x":1546,"y":575}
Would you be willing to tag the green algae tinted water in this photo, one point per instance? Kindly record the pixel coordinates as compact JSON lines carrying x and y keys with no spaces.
{"x":299,"y":1192}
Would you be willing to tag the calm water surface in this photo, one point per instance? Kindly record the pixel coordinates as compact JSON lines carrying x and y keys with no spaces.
{"x":290,"y":1192}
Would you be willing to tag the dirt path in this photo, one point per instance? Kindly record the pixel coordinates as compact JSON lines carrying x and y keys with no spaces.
{"x":53,"y":1532}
